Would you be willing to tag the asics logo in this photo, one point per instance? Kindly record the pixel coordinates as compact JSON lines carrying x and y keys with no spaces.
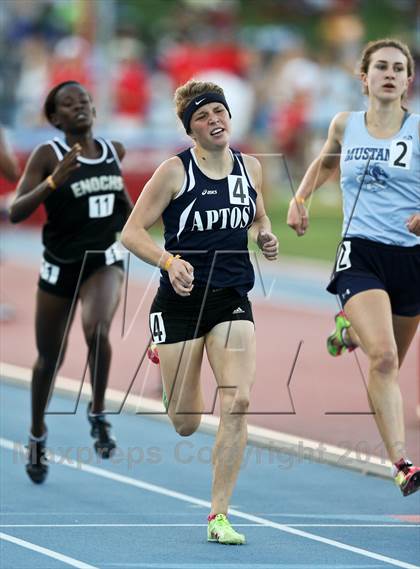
{"x":209,"y":192}
{"x":200,"y":101}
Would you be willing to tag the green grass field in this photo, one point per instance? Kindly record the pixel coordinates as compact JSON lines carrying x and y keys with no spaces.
{"x":323,"y":235}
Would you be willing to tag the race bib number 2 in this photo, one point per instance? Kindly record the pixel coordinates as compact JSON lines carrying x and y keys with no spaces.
{"x":400,"y":154}
{"x":343,"y":257}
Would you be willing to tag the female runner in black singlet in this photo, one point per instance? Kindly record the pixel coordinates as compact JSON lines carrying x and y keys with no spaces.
{"x":210,"y":198}
{"x":78,"y":180}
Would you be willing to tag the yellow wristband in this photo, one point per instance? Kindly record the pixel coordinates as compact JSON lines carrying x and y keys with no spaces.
{"x":50,"y":183}
{"x":170,"y":261}
{"x":299,"y":199}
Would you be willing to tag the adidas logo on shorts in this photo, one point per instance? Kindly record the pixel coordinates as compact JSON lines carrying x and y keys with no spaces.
{"x":346,"y":293}
{"x":238,"y":311}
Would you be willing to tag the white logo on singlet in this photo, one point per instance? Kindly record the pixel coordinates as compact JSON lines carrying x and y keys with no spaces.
{"x":238,"y":311}
{"x":221,"y":218}
{"x":97,"y":184}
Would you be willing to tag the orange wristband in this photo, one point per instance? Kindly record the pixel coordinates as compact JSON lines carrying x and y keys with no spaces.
{"x":170,"y":261}
{"x":50,"y":183}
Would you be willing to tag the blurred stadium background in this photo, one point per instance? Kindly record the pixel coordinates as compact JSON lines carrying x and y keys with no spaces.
{"x":287,"y":68}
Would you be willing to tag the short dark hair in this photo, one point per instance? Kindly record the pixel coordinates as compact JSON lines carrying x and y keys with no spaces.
{"x":50,"y":102}
{"x":191,"y":89}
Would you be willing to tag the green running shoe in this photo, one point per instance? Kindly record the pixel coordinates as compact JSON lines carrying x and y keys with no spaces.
{"x":220,"y":530}
{"x":165,"y":399}
{"x":335,"y":341}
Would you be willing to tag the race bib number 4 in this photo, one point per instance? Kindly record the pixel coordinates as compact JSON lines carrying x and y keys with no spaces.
{"x":238,"y":190}
{"x":157,"y":327}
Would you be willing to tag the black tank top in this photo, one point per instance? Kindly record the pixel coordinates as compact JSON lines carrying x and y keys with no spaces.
{"x":207,"y":224}
{"x":89,"y":209}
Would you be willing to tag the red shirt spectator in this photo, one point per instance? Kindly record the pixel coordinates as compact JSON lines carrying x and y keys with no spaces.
{"x":131,"y":89}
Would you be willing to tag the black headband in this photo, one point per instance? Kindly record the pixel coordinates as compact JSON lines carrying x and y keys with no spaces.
{"x":198,"y":102}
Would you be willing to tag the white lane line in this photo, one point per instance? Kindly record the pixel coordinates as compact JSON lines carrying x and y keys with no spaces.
{"x":11,"y":445}
{"x":48,"y":552}
{"x":204,"y":525}
{"x":354,"y":525}
{"x":215,"y":565}
{"x":340,"y":518}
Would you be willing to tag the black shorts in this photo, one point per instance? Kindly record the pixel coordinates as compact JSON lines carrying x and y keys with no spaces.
{"x":175,"y":318}
{"x":65,"y":279}
{"x":364,"y":265}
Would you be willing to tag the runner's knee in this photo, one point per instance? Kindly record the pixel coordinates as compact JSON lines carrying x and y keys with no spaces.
{"x":383,"y":359}
{"x":96,"y":332}
{"x":235,"y":401}
{"x":48,"y":363}
{"x":185,"y":425}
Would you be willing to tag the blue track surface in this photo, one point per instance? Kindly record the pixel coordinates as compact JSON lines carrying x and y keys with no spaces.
{"x":147,"y":508}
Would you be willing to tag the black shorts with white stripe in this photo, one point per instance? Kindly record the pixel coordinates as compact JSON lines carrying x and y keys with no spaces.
{"x":175,"y":318}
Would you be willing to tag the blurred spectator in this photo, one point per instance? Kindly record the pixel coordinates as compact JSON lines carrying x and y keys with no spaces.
{"x":339,"y":89}
{"x":186,"y":59}
{"x":343,"y":31}
{"x":292,"y":84}
{"x":9,"y":169}
{"x":71,"y":60}
{"x":33,"y":81}
{"x":291,"y":72}
{"x":289,"y":122}
{"x":130,"y":83}
{"x":206,"y":41}
{"x":161,"y":113}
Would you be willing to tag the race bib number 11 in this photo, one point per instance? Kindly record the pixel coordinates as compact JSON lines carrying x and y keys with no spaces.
{"x":101,"y":206}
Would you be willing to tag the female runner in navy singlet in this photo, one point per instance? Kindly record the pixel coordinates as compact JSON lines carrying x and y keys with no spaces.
{"x":377,"y":271}
{"x":78,"y":180}
{"x":209,"y":197}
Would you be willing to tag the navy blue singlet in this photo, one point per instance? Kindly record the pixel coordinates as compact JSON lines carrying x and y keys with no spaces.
{"x":207,"y":224}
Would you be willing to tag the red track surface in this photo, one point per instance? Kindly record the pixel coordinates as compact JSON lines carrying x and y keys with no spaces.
{"x":328,"y":394}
